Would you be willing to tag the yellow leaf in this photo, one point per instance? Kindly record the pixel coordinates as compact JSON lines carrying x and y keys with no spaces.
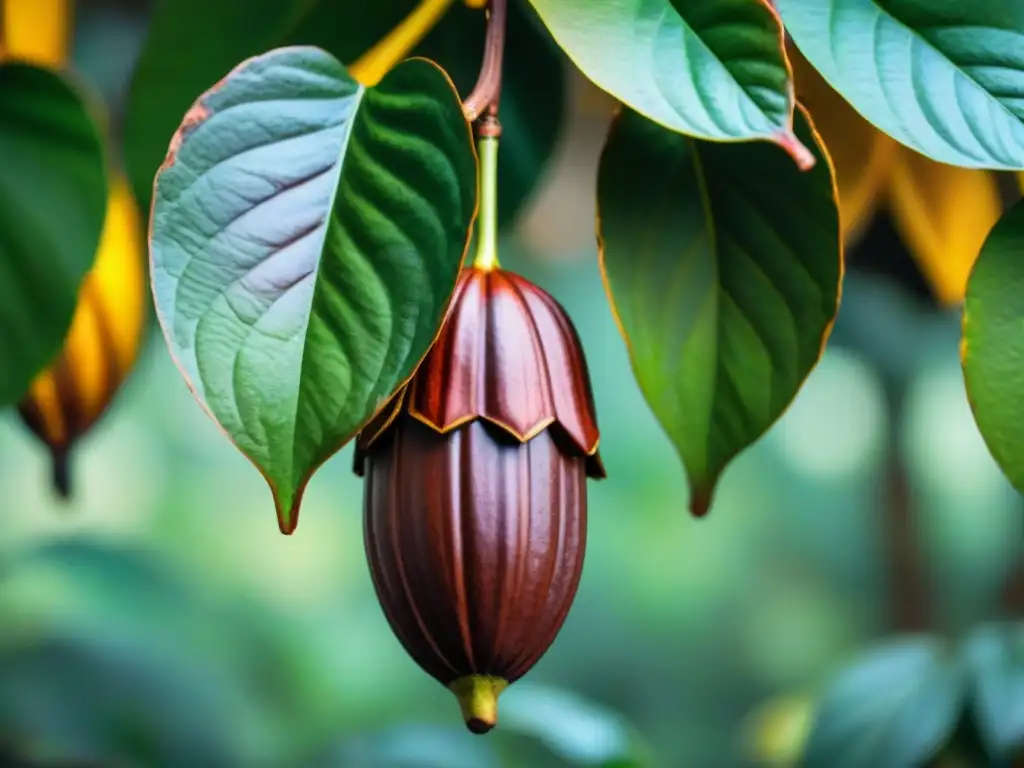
{"x":943,"y":214}
{"x":862,"y":155}
{"x":36,"y":30}
{"x":106,"y":332}
{"x":395,"y":46}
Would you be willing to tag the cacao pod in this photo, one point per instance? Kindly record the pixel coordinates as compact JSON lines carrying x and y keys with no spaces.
{"x":475,"y":511}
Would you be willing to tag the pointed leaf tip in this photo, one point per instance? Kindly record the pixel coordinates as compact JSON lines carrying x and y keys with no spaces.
{"x":700,"y":500}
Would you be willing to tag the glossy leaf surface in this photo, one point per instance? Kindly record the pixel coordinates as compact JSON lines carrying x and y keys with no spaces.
{"x":943,"y":77}
{"x":53,"y":194}
{"x":898,"y":705}
{"x":943,"y":213}
{"x":217,"y":36}
{"x":992,"y":350}
{"x":995,"y":655}
{"x":713,"y":69}
{"x":723,"y":265}
{"x":306,"y":237}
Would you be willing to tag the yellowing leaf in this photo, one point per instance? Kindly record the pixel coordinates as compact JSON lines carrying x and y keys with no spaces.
{"x":862,"y":155}
{"x":67,"y":398}
{"x":36,"y":30}
{"x":943,"y":213}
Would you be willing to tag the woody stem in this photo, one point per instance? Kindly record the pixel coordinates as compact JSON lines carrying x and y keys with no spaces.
{"x":487,"y":91}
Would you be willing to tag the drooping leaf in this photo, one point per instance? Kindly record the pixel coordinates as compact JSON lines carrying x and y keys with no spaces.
{"x":723,"y":265}
{"x":995,"y":655}
{"x":307,"y":234}
{"x":897,"y":706}
{"x":53,"y":193}
{"x":992,"y":350}
{"x":713,"y":69}
{"x":861,"y":154}
{"x":219,"y":35}
{"x":945,"y":78}
{"x":943,"y":213}
{"x":68,"y":397}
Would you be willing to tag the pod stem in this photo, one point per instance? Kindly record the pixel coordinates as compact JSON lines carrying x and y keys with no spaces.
{"x":487,"y":238}
{"x":478,"y":699}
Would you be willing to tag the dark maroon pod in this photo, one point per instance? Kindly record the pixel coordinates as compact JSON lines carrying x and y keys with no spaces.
{"x":476,"y":499}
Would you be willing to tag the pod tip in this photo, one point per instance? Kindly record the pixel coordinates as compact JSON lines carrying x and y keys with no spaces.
{"x":478,"y":699}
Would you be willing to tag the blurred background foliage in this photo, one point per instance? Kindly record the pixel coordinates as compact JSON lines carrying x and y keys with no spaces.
{"x":158,"y":618}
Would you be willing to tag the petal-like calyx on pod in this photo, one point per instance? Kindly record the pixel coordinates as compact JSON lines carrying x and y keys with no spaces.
{"x":476,"y":499}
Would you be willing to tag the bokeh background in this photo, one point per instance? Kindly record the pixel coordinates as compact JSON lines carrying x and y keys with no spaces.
{"x":159,"y":618}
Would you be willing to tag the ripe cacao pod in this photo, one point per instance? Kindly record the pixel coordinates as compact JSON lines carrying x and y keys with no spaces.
{"x":476,"y":500}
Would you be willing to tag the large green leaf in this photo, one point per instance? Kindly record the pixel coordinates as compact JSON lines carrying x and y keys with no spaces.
{"x":995,"y":655}
{"x":993,"y":345}
{"x":944,"y":77}
{"x":218,"y":35}
{"x":53,"y":198}
{"x":712,"y":69}
{"x":723,"y":265}
{"x":898,"y":706}
{"x":306,"y":237}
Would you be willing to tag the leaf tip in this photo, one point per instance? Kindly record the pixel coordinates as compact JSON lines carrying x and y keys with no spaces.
{"x":287,"y":511}
{"x":802,"y":156}
{"x":700,"y":499}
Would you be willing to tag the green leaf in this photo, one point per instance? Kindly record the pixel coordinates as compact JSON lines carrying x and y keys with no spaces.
{"x":53,"y":198}
{"x":995,"y":655}
{"x":712,"y":69}
{"x":992,"y":350}
{"x":576,"y":730}
{"x":307,"y":234}
{"x":219,"y":35}
{"x":723,"y":266}
{"x":898,"y":706}
{"x":943,"y":77}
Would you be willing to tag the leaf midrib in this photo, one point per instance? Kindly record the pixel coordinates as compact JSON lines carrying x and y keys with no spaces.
{"x":790,"y":99}
{"x":328,"y":216}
